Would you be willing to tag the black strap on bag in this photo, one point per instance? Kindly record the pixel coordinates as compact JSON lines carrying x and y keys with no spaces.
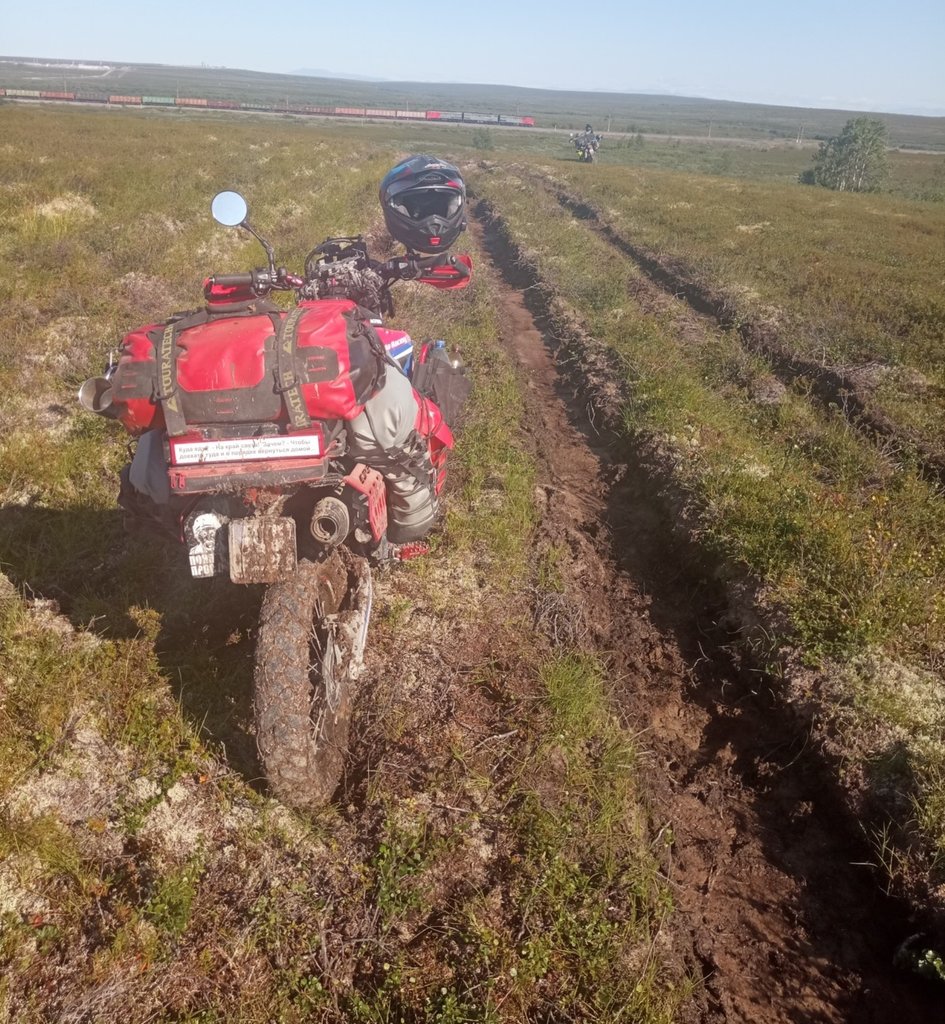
{"x":167,"y":391}
{"x":164,"y":340}
{"x":287,"y":380}
{"x":413,"y":458}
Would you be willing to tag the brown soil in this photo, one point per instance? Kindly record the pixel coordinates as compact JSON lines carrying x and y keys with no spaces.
{"x":783,"y":921}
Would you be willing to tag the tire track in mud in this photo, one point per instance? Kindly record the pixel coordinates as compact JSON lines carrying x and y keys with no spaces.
{"x":847,"y":388}
{"x":771,"y":908}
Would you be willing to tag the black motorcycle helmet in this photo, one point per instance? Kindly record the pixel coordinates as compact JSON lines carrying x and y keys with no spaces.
{"x":424,"y":203}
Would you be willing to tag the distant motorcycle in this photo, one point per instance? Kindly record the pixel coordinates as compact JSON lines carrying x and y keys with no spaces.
{"x":587,"y":144}
{"x":240,"y":410}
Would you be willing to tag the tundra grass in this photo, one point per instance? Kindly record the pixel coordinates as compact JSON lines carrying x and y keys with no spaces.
{"x":845,"y":544}
{"x":844,"y":280}
{"x":144,"y":875}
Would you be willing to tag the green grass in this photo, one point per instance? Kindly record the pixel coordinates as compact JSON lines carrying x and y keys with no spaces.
{"x":843,"y":544}
{"x":844,"y":280}
{"x":145,"y":874}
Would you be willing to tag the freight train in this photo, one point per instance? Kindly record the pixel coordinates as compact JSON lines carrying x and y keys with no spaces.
{"x":195,"y":103}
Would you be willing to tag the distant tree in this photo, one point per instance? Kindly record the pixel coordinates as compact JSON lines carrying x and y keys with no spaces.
{"x":854,"y":160}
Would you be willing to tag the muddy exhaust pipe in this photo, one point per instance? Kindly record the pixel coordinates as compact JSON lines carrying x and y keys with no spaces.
{"x":331,"y":522}
{"x":95,"y":395}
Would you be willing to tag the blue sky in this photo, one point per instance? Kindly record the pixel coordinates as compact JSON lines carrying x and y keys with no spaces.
{"x":853,"y":55}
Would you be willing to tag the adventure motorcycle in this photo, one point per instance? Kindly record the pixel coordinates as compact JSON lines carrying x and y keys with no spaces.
{"x":240,"y":410}
{"x":587,"y":145}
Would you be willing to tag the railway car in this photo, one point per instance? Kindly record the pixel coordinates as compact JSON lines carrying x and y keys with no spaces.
{"x":467,"y":117}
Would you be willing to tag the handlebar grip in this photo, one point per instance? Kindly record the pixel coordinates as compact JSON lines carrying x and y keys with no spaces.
{"x":234,"y":280}
{"x":460,"y":267}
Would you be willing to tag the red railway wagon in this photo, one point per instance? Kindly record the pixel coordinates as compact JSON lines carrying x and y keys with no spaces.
{"x":190,"y":101}
{"x":57,"y":95}
{"x":371,"y":112}
{"x":350,"y":111}
{"x":127,"y":101}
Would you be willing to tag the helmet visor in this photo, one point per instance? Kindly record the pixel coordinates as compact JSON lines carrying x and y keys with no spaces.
{"x":418,"y":204}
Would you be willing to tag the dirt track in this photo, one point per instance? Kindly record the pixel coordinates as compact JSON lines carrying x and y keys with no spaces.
{"x":774,"y":909}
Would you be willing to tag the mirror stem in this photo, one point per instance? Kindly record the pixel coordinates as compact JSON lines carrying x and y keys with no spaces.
{"x":262,"y":241}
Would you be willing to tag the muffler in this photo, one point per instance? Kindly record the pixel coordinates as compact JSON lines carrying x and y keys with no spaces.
{"x":95,"y":395}
{"x":331,"y":521}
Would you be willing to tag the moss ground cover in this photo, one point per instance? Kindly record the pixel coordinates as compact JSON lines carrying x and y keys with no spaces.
{"x":143,"y":873}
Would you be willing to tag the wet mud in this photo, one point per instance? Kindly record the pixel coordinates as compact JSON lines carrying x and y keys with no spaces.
{"x":775,"y":908}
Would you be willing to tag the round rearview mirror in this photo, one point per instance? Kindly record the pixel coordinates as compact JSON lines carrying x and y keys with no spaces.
{"x":229,"y":209}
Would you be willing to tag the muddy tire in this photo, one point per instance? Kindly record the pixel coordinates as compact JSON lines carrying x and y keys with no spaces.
{"x":304,"y":676}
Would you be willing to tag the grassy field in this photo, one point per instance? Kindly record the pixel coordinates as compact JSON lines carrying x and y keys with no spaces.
{"x":616,"y":112}
{"x":846,"y":281}
{"x":839,"y":531}
{"x":491,"y":860}
{"x":493,"y":857}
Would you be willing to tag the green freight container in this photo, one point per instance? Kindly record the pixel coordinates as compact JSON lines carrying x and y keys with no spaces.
{"x":159,"y":101}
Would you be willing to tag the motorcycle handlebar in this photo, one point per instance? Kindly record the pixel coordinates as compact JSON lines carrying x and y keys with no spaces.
{"x":459,"y":267}
{"x":259,"y":280}
{"x":234,"y":280}
{"x":410,"y":267}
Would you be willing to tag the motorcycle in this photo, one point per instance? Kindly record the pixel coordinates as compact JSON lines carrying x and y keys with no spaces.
{"x":240,"y":410}
{"x":587,"y":145}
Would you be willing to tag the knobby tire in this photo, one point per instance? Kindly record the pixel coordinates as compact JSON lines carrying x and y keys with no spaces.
{"x":301,"y":739}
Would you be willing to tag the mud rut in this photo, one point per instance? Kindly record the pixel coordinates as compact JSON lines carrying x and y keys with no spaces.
{"x":782,"y":919}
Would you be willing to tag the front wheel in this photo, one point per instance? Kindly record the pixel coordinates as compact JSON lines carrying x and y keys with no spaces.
{"x":309,"y":654}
